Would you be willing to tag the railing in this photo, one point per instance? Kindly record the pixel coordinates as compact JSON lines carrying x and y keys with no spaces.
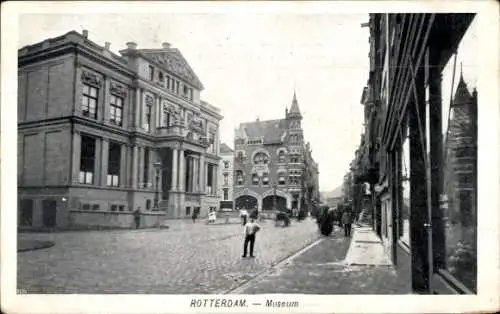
{"x":169,"y":131}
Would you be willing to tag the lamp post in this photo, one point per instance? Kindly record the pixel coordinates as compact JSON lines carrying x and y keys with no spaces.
{"x":157,"y":165}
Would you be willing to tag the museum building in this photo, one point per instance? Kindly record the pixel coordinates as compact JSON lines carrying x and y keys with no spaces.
{"x":101,"y":134}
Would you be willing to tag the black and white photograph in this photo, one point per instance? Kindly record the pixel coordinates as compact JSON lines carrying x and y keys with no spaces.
{"x":250,"y":157}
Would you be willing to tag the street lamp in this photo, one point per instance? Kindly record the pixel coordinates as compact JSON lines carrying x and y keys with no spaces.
{"x":157,"y":165}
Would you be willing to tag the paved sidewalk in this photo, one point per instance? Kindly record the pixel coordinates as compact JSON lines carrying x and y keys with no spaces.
{"x":366,"y":249}
{"x":323,"y":269}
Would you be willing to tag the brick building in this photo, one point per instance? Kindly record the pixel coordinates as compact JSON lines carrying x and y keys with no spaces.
{"x":226,"y":177}
{"x":269,"y":161}
{"x":101,"y":134}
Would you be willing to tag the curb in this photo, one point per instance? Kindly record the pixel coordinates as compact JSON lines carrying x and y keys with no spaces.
{"x":260,"y":275}
{"x":38,"y":245}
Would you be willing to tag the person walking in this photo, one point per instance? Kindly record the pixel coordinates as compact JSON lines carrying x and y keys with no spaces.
{"x":137,"y":217}
{"x":194,"y":216}
{"x":251,"y":228}
{"x":244,"y":215}
{"x":347,"y":221}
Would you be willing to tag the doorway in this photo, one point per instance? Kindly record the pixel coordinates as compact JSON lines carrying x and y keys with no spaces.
{"x":49,"y":213}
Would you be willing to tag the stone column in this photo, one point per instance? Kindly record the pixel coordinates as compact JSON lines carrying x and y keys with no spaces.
{"x":214,"y":178}
{"x":105,"y":103}
{"x":138,"y":105}
{"x":135,"y":166}
{"x":104,"y":162}
{"x":196,"y":164}
{"x":175,"y":164}
{"x":182,"y":171}
{"x":202,"y":184}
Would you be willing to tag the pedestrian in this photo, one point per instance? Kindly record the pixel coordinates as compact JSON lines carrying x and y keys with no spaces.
{"x":137,"y":217}
{"x":347,"y":221}
{"x":251,"y":228}
{"x":194,"y":216}
{"x":244,"y":215}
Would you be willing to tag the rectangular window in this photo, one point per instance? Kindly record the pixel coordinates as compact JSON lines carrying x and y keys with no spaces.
{"x":177,"y":87}
{"x":85,"y":206}
{"x":211,"y":141}
{"x":26,"y":208}
{"x":210,"y":174}
{"x":121,"y":208}
{"x":265,"y":180}
{"x":114,"y":208}
{"x":87,"y":160}
{"x":147,"y":118}
{"x":168,"y":82}
{"x":404,"y":202}
{"x":191,"y":94}
{"x":281,"y":180}
{"x":226,"y":194}
{"x":151,"y":73}
{"x":95,"y":207}
{"x":188,"y":210}
{"x":185,"y":91}
{"x":114,"y":157}
{"x":226,"y":164}
{"x":116,"y":110}
{"x":89,"y":101}
{"x":145,"y":168}
{"x":226,"y":179}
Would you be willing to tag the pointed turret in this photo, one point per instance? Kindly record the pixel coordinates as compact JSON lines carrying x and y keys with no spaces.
{"x":294,"y":109}
{"x":462,"y":95}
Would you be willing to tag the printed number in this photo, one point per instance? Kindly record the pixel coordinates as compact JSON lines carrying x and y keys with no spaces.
{"x":21,"y":291}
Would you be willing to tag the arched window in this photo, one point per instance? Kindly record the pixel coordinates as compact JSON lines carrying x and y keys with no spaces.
{"x":260,"y":158}
{"x":281,"y":156}
{"x":239,"y":177}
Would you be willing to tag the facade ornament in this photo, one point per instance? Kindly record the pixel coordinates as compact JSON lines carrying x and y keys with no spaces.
{"x":118,"y":90}
{"x":150,"y":100}
{"x":91,"y":79}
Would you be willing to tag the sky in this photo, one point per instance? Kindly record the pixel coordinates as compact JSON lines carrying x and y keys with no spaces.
{"x":250,"y":65}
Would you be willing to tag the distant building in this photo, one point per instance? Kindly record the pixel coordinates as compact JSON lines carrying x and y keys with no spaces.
{"x":101,"y":135}
{"x":269,"y":161}
{"x":226,"y":177}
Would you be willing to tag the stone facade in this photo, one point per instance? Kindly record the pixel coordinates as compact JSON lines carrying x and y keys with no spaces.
{"x":226,"y":178}
{"x":269,"y":161}
{"x":99,"y":132}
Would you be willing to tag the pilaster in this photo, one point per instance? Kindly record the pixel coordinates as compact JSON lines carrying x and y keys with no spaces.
{"x":97,"y":162}
{"x":175,"y":165}
{"x":104,"y":161}
{"x":201,"y":186}
{"x":182,"y":170}
{"x":135,"y":160}
{"x":77,"y":146}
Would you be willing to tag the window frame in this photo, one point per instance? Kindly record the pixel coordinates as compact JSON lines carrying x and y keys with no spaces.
{"x":114,"y":107}
{"x":87,"y":98}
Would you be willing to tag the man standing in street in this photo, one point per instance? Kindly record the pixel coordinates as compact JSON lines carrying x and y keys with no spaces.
{"x":137,"y":217}
{"x":251,"y":228}
{"x":346,"y":221}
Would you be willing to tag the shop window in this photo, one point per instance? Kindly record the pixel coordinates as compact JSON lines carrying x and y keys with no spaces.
{"x":404,"y":202}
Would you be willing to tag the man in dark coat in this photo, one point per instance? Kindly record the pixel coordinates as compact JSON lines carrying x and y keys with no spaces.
{"x":137,"y":217}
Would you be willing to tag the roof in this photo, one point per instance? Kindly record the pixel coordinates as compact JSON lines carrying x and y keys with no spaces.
{"x":225,"y":149}
{"x":462,"y":95}
{"x":271,"y":130}
{"x":173,"y":61}
{"x":294,"y":109}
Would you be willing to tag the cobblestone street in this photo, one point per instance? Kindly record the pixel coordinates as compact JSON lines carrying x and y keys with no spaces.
{"x":321,"y":270}
{"x":186,"y":258}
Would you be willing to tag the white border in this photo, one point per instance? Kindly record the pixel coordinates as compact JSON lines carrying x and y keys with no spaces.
{"x":488,"y":187}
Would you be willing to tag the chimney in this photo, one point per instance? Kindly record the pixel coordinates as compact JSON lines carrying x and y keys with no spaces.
{"x":166,"y":45}
{"x":85,"y":33}
{"x":131,"y":45}
{"x":107,"y":45}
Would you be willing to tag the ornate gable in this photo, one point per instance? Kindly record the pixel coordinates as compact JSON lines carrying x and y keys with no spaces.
{"x":173,"y":62}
